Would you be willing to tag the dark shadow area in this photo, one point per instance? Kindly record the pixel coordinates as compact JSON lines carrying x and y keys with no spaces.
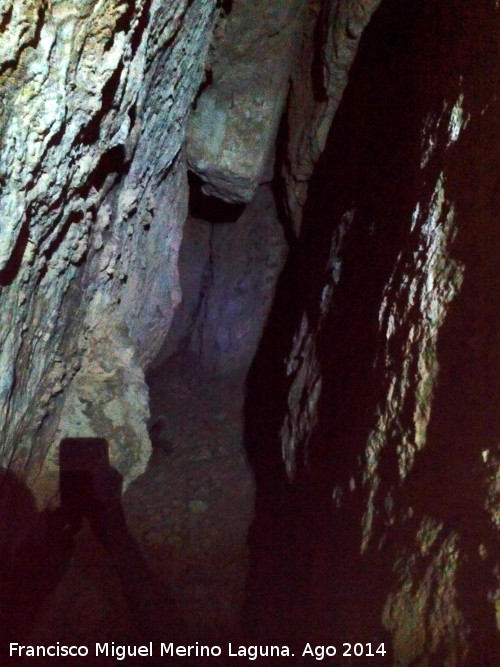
{"x":308,"y":581}
{"x":317,"y":71}
{"x":450,"y":479}
{"x":8,"y":274}
{"x":208,"y":208}
{"x":194,"y":503}
{"x":37,"y":547}
{"x":89,"y":134}
{"x":92,"y":489}
{"x":278,"y":183}
{"x":111,"y":163}
{"x":141,"y":26}
{"x":226,"y":5}
{"x":6,"y":19}
{"x":10,"y":63}
{"x":208,"y":79}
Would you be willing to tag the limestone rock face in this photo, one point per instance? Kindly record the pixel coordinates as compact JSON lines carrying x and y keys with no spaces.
{"x":330,"y":43}
{"x":94,"y":103}
{"x":375,"y":439}
{"x":228,"y":273}
{"x":233,"y":129}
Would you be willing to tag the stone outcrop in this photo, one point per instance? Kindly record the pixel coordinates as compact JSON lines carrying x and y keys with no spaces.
{"x":375,"y":437}
{"x":233,"y":129}
{"x":94,"y":195}
{"x":331,"y":36}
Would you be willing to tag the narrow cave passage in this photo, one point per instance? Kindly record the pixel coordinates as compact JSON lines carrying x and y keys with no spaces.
{"x":320,"y":464}
{"x":192,"y":509}
{"x":184,"y":550}
{"x":194,"y":506}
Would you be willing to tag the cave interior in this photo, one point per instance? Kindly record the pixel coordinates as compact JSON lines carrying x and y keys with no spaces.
{"x":307,"y":380}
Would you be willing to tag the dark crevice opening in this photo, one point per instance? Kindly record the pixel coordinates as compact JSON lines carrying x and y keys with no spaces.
{"x":113,"y":164}
{"x":208,"y":208}
{"x":208,"y":79}
{"x":89,"y":134}
{"x":278,"y":183}
{"x":226,"y":5}
{"x":6,"y":19}
{"x":9,"y":273}
{"x":9,"y":64}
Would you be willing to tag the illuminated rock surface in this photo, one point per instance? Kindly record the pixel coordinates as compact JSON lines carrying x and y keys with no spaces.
{"x":234,"y":126}
{"x":94,"y":103}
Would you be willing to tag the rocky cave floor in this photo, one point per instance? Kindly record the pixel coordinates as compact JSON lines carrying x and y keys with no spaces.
{"x":177,"y":570}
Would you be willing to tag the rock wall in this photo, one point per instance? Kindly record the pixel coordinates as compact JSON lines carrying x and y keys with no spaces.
{"x":372,"y":409}
{"x":95,"y":97}
{"x":228,"y":271}
{"x":331,"y":34}
{"x":372,"y":412}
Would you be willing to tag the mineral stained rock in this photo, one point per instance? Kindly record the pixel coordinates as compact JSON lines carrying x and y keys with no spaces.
{"x":95,"y":97}
{"x":233,"y":129}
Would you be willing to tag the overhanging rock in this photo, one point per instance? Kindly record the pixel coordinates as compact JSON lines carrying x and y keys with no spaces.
{"x":233,"y":129}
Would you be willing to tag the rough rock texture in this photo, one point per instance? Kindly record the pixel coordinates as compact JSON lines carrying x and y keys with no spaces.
{"x":94,"y":102}
{"x":375,"y":438}
{"x":330,"y":43}
{"x":233,"y":129}
{"x":228,"y":277}
{"x":372,"y":420}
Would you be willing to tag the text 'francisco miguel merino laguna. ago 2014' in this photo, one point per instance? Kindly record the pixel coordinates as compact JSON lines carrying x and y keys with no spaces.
{"x":171,"y":650}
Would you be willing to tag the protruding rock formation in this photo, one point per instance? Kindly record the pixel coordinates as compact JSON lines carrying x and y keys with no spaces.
{"x":94,"y":195}
{"x":233,"y":129}
{"x":332,"y":33}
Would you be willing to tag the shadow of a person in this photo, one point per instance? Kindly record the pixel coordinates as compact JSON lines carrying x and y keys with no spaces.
{"x":35,"y":548}
{"x":91,"y":488}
